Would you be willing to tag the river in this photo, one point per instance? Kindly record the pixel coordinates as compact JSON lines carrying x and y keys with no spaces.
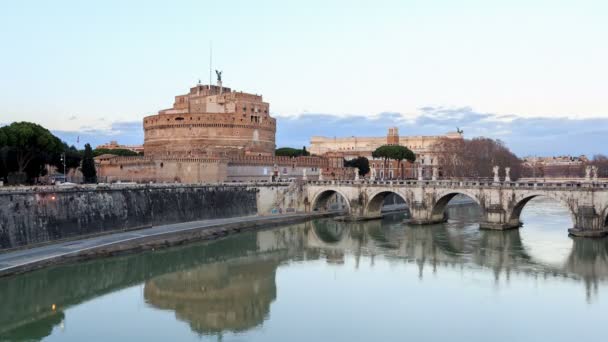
{"x":331,"y":281}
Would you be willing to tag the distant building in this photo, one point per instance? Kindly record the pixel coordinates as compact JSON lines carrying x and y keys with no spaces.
{"x":555,"y":167}
{"x":425,"y":147}
{"x":114,"y":145}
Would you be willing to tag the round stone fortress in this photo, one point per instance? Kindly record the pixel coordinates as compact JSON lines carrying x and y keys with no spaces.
{"x":211,"y":121}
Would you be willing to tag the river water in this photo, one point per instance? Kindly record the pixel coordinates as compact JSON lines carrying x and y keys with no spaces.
{"x":330,"y":281}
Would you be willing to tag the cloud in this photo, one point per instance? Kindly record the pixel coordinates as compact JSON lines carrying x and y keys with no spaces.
{"x":525,"y":136}
{"x":125,"y":132}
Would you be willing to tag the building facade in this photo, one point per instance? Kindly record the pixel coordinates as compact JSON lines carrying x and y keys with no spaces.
{"x":426,"y":148}
{"x":554,"y":167}
{"x":114,"y":145}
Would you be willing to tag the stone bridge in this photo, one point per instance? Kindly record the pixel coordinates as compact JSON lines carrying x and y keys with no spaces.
{"x":501,"y":203}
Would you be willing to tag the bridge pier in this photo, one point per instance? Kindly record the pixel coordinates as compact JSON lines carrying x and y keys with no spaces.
{"x":495,"y":217}
{"x":422,"y":214}
{"x":588,"y":223}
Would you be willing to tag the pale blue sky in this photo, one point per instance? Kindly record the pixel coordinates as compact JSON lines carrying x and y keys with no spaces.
{"x":85,"y":66}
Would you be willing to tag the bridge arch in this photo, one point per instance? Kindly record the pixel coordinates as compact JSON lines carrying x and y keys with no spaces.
{"x":321,"y":200}
{"x":520,"y":203}
{"x":438,"y":213}
{"x":376,"y":200}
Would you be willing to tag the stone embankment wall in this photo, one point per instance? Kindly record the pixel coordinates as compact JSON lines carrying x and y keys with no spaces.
{"x":281,"y":198}
{"x":37,"y":215}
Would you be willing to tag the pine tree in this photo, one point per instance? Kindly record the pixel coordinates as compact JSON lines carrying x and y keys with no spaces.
{"x":88,"y":165}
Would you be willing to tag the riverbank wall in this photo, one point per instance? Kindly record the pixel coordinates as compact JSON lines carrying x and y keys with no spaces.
{"x":38,"y":215}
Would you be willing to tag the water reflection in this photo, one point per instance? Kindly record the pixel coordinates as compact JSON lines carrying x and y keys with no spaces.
{"x":230,"y":285}
{"x":229,"y":296}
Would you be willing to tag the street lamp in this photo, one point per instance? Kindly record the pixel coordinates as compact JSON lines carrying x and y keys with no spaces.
{"x":65,"y":177}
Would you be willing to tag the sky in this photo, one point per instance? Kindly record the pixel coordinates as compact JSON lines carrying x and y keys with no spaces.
{"x":531,"y":73}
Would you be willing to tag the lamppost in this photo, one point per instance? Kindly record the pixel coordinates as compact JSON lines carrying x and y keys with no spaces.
{"x":65,"y":177}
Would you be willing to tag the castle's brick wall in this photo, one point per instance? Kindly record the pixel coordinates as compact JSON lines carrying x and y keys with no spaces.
{"x":171,"y":170}
{"x":194,"y":170}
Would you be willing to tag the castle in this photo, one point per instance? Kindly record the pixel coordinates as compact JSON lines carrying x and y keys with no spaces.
{"x":211,"y":134}
{"x":211,"y":121}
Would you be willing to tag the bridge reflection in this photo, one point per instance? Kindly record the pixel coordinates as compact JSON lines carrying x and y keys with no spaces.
{"x":230,"y":284}
{"x":460,"y":245}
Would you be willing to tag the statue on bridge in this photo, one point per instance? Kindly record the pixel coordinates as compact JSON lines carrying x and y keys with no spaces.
{"x":495,"y":169}
{"x":594,"y":173}
{"x":507,"y":174}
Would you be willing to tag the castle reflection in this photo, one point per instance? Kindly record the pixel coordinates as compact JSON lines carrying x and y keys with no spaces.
{"x":230,"y":284}
{"x":230,"y":296}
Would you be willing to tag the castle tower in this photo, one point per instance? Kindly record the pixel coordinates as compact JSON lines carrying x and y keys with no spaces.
{"x":392,"y":138}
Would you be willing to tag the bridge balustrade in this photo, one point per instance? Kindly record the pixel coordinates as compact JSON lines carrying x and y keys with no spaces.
{"x":451,"y":183}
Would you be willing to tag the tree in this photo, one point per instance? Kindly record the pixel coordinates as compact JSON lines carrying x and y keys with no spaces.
{"x":463,"y":158}
{"x":291,"y":152}
{"x":382,"y":153}
{"x":360,"y":163}
{"x":117,"y":151}
{"x":601,"y":161}
{"x":25,"y":149}
{"x":449,"y":156}
{"x":394,"y":152}
{"x":88,"y":165}
{"x":28,"y":141}
{"x":400,"y":153}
